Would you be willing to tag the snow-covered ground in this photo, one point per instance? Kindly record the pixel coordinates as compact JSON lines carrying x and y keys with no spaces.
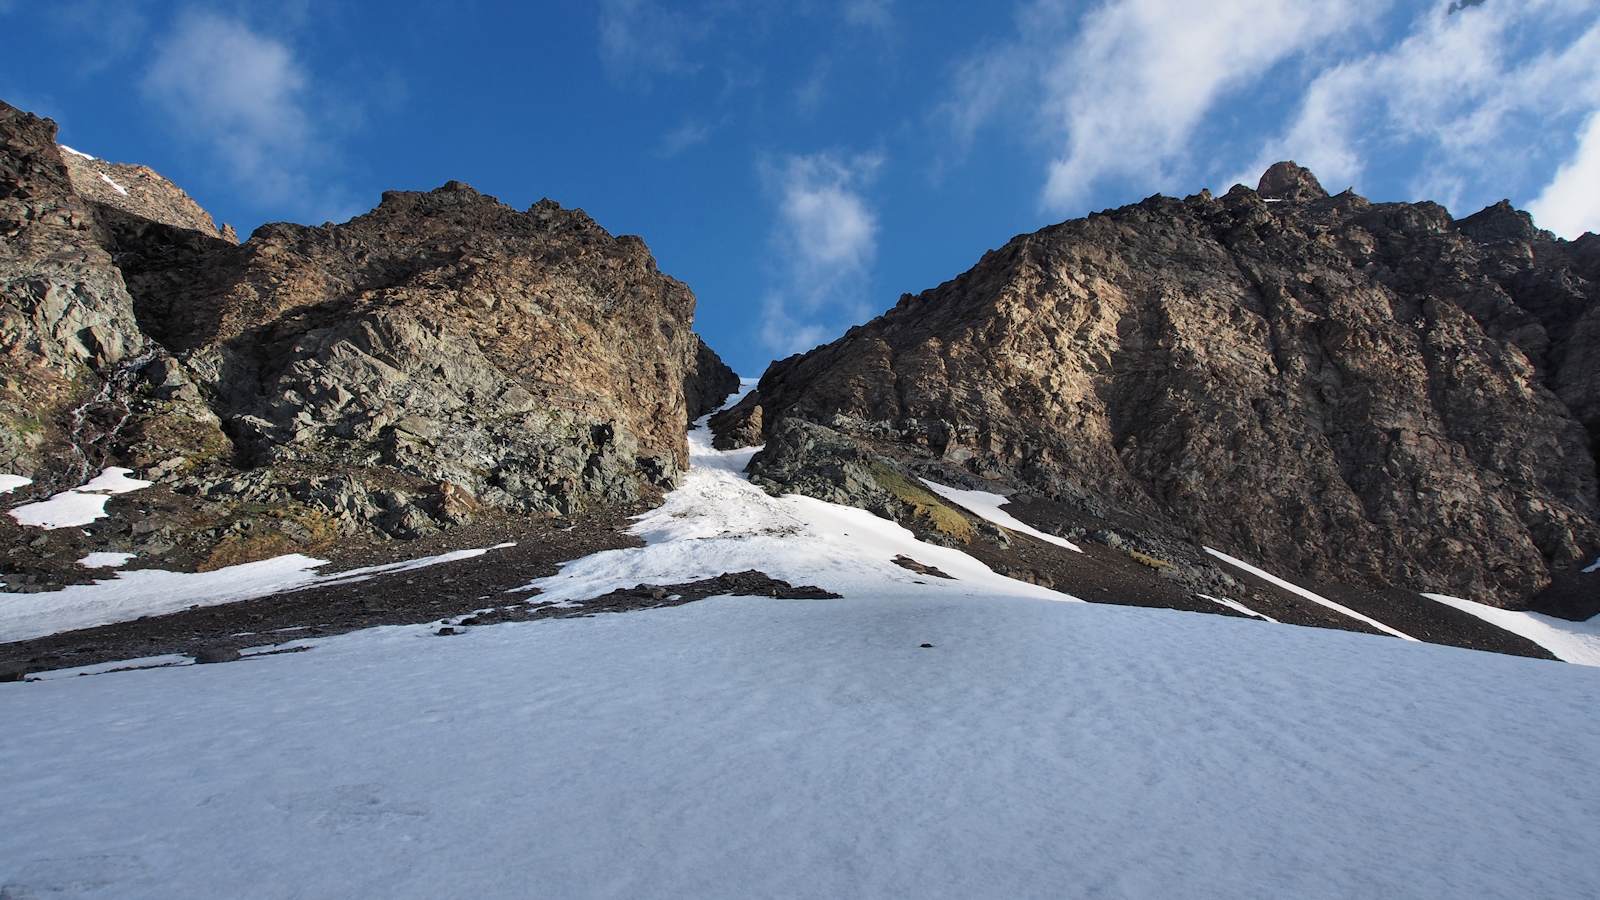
{"x":1574,"y":642}
{"x":80,"y":505}
{"x":10,"y":482}
{"x":810,"y":748}
{"x":741,"y":747}
{"x":987,"y":505}
{"x":154,"y":592}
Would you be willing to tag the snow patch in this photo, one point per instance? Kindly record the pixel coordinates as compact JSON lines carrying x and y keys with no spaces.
{"x":75,"y":152}
{"x":1236,"y":606}
{"x":9,"y":483}
{"x":117,"y":187}
{"x":1573,"y":642}
{"x":80,"y":505}
{"x":987,"y":505}
{"x":1593,"y":568}
{"x":105,"y":559}
{"x":154,"y":592}
{"x":1309,"y":595}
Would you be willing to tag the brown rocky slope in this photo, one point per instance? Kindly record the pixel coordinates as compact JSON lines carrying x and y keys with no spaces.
{"x":1342,"y":391}
{"x":438,"y":360}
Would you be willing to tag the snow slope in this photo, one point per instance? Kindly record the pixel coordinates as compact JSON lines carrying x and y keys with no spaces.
{"x":1573,"y":642}
{"x":740,"y":747}
{"x":810,"y":748}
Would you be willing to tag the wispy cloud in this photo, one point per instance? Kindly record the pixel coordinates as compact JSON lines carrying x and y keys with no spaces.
{"x":826,"y":235}
{"x":1119,"y":92}
{"x":809,"y":94}
{"x":1568,"y":205}
{"x":876,"y":14}
{"x":640,"y":39}
{"x":247,"y":97}
{"x":1459,"y":93}
{"x":690,"y":133}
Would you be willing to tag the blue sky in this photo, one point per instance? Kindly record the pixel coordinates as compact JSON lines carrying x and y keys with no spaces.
{"x":801,"y":164}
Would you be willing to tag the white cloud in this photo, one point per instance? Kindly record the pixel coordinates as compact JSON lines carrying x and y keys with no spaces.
{"x":1461,"y":94}
{"x":691,"y":133}
{"x":1119,"y":91}
{"x":1570,"y":204}
{"x":241,"y":92}
{"x":824,"y":220}
{"x":1143,"y":74}
{"x":878,"y":14}
{"x":826,"y":234}
{"x":640,"y":39}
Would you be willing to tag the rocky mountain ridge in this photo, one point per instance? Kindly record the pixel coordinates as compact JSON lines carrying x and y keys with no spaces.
{"x":1344,"y":391}
{"x":439,"y":360}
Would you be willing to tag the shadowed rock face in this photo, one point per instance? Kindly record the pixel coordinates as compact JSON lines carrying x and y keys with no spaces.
{"x":439,"y":355}
{"x":1343,"y":390}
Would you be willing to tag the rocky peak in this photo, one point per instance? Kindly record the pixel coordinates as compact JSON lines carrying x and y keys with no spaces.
{"x":1499,"y":222}
{"x":139,"y":191}
{"x":1288,"y":181}
{"x":1344,"y":390}
{"x":441,"y":357}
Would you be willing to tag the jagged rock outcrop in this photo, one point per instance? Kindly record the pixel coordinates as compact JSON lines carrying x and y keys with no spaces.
{"x":528,"y":357}
{"x":67,"y":325}
{"x":139,"y":191}
{"x":400,"y":373}
{"x":708,"y":382}
{"x":1342,"y":390}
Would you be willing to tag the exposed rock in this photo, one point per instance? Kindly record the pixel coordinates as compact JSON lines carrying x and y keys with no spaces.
{"x":739,"y":425}
{"x":1287,"y":181}
{"x":1336,"y":389}
{"x":531,"y":359}
{"x":67,"y":326}
{"x":219,"y":654}
{"x":802,"y":457}
{"x":906,"y":562}
{"x":140,"y":191}
{"x":708,"y":382}
{"x":396,"y":374}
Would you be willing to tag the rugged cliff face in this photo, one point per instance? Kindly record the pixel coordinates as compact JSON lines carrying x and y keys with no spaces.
{"x":397,"y":374}
{"x":67,"y":326}
{"x":1349,"y":391}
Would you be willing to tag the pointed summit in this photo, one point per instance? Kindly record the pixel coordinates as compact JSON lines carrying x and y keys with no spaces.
{"x":1288,"y":181}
